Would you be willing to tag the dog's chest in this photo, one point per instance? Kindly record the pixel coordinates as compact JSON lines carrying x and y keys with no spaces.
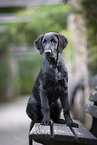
{"x":53,"y":72}
{"x":58,"y":74}
{"x":52,"y":76}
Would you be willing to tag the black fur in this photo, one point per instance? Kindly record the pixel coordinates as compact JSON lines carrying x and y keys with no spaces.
{"x":51,"y":83}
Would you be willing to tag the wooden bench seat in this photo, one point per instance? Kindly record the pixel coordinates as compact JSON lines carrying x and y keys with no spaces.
{"x":59,"y":134}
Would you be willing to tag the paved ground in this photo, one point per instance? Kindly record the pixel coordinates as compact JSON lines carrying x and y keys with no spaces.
{"x":14,"y":123}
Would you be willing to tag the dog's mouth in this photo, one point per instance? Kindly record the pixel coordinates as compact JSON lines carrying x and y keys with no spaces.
{"x":48,"y":55}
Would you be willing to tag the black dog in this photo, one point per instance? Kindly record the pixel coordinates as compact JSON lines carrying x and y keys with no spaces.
{"x":51,"y":83}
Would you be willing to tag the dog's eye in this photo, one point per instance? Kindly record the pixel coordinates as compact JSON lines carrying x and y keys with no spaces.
{"x":53,"y":41}
{"x":44,"y":41}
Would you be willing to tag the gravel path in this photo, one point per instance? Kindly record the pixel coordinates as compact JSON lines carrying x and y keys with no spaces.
{"x":14,"y":123}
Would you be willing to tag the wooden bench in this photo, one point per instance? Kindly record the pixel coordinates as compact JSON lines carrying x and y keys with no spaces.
{"x":58,"y":134}
{"x":92,"y":110}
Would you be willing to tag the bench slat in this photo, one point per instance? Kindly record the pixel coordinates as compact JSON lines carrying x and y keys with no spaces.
{"x":93,"y":97}
{"x":92,"y":110}
{"x":83,"y":135}
{"x":40,"y":132}
{"x":63,"y":133}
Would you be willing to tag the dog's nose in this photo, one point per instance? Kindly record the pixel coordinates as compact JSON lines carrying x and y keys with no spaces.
{"x":47,"y":51}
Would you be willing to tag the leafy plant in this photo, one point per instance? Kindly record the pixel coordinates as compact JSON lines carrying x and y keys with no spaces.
{"x":43,"y":19}
{"x":28,"y":72}
{"x":90,"y":12}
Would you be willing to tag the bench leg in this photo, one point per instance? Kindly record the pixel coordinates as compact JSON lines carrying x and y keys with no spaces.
{"x":30,"y":142}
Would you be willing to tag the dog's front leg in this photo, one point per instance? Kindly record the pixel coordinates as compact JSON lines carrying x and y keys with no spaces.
{"x":45,"y":107}
{"x":65,"y":105}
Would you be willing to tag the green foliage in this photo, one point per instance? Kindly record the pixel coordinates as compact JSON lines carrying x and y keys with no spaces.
{"x":4,"y":39}
{"x":10,"y":9}
{"x":68,"y":53}
{"x":93,"y":59}
{"x":3,"y":77}
{"x":28,"y":73}
{"x":43,"y":19}
{"x":90,"y":12}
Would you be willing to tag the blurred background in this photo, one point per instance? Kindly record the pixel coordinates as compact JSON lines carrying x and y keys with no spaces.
{"x":21,"y":22}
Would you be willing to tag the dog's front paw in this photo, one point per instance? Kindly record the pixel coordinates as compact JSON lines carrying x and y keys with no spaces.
{"x":46,"y":122}
{"x":72,"y":124}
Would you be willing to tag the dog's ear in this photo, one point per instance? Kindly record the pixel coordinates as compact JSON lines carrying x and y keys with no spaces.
{"x":38,"y":43}
{"x":63,"y":41}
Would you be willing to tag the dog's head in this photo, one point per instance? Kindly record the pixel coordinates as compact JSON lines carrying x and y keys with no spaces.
{"x":51,"y":44}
